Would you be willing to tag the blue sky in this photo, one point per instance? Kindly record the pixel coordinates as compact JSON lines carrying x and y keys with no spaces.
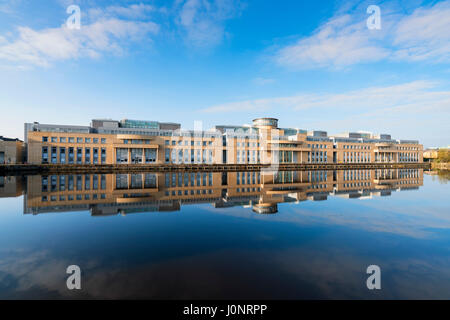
{"x":312,"y":64}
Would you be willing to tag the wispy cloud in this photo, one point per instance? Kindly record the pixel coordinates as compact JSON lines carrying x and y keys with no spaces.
{"x":102,"y":31}
{"x":419,"y":93}
{"x":345,"y":40}
{"x":202,"y":21}
{"x":396,"y":108}
{"x":8,"y":6}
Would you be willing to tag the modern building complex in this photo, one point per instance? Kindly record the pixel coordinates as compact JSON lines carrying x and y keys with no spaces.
{"x":151,"y":142}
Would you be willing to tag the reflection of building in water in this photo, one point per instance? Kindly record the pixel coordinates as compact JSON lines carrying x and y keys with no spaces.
{"x":106,"y":194}
{"x":11,"y":187}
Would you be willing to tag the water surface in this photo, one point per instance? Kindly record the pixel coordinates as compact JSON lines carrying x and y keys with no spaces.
{"x":287,"y":235}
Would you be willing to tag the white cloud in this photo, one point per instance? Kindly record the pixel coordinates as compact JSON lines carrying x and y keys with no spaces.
{"x":134,"y":11}
{"x":425,"y":34}
{"x":338,"y":43}
{"x":345,"y":39}
{"x":203,"y":21}
{"x":407,"y":110}
{"x":417,"y":92}
{"x":103,"y":34}
{"x":9,"y":6}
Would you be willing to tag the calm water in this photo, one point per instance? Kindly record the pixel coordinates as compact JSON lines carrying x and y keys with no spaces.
{"x":291,"y":235}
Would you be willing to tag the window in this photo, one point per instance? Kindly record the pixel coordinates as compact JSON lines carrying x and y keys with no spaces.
{"x":44,"y":139}
{"x":44,"y":154}
{"x":103,"y":140}
{"x":95,"y":156}
{"x":62,"y":139}
{"x":95,"y":140}
{"x":103,"y":155}
{"x":87,"y":155}
{"x":79,"y":155}
{"x":87,"y":182}
{"x":71,"y":155}
{"x":79,"y":140}
{"x":167,"y":155}
{"x":54,"y":139}
{"x":87,"y":140}
{"x":71,"y":139}
{"x":54,"y":155}
{"x":62,"y":155}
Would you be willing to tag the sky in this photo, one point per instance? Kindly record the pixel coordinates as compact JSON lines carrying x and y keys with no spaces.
{"x":314,"y":65}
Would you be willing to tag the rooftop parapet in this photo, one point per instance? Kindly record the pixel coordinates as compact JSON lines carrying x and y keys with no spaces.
{"x":317,"y":133}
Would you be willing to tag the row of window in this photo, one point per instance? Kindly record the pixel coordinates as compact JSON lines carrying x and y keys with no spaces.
{"x":248,"y":178}
{"x":135,"y":155}
{"x":136,"y":181}
{"x":247,"y":144}
{"x":73,"y":182}
{"x":243,"y":156}
{"x":73,"y":155}
{"x":357,"y":175}
{"x":357,"y":157}
{"x":72,"y":197}
{"x":73,"y":139}
{"x":317,"y":146}
{"x":137,"y":141}
{"x":356,"y":184}
{"x":241,"y":190}
{"x":317,"y":157}
{"x":187,"y":192}
{"x":188,"y":179}
{"x":352,"y":146}
{"x":408,"y":148}
{"x":188,"y":156}
{"x":186,"y":143}
{"x":408,"y":157}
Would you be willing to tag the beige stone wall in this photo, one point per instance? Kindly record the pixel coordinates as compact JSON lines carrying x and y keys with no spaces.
{"x":13,"y":151}
{"x":293,"y":151}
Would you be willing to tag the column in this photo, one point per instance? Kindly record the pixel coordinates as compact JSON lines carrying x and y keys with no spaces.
{"x":129,"y":155}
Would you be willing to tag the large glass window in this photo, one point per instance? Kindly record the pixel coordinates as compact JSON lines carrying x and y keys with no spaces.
{"x":95,"y":155}
{"x":121,"y":155}
{"x":167,"y":155}
{"x":71,"y":155}
{"x":136,"y":155}
{"x":87,"y":182}
{"x":136,"y":181}
{"x":150,"y":155}
{"x":87,"y":155}
{"x":103,"y":155}
{"x":44,"y":154}
{"x":54,"y":155}
{"x":79,"y":155}
{"x":150,"y":180}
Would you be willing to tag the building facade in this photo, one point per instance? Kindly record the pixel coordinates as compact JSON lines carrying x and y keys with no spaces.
{"x":12,"y":151}
{"x":151,"y":142}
